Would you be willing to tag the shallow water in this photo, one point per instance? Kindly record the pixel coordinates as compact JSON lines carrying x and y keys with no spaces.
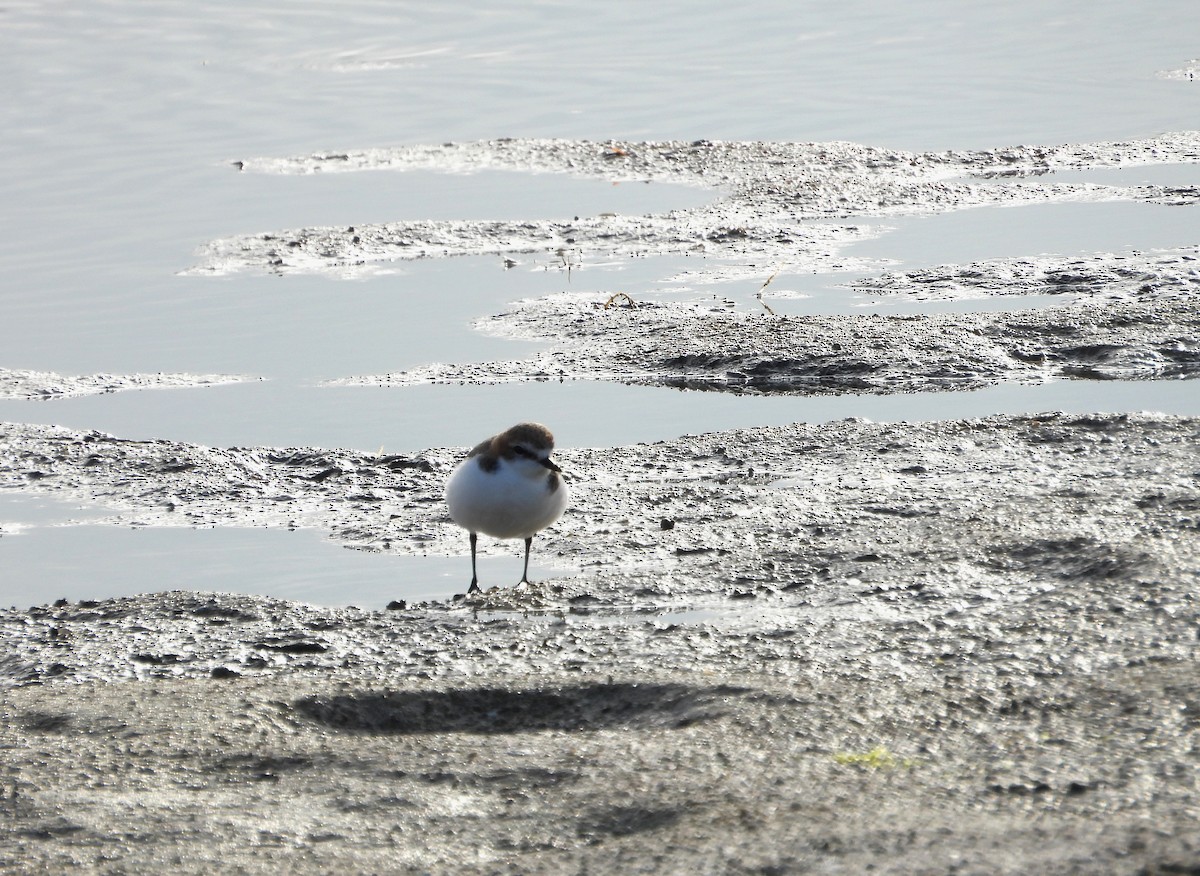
{"x":84,"y":561}
{"x":1040,"y":229}
{"x":77,"y":556}
{"x":76,"y":318}
{"x":1143,"y":175}
{"x":411,"y":419}
{"x":961,"y":237}
{"x":121,"y":121}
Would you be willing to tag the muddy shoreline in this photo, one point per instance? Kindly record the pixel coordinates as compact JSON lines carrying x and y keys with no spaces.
{"x":793,"y":207}
{"x":711,"y":346}
{"x":774,"y":204}
{"x":48,"y":385}
{"x":964,"y":645}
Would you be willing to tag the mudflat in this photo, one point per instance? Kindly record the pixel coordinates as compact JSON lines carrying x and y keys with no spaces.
{"x":964,"y":646}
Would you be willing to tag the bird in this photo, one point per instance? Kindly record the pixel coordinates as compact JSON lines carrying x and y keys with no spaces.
{"x":507,"y":487}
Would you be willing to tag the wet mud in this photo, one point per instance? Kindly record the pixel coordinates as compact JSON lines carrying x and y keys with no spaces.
{"x":764,"y":196}
{"x":1151,"y":331}
{"x":45,"y":385}
{"x":1187,"y":73}
{"x":961,"y":645}
{"x":964,"y":646}
{"x":1124,"y":315}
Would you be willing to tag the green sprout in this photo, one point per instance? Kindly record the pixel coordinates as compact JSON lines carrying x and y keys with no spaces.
{"x":878,"y":758}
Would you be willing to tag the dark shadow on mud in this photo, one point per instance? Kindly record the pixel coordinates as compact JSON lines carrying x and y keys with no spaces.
{"x":626,"y":821}
{"x":500,"y":710}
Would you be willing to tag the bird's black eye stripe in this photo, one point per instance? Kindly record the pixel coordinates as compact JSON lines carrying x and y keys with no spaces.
{"x":519,"y":450}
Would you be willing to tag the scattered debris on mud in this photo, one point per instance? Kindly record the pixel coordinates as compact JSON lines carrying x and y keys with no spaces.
{"x":1189,"y":72}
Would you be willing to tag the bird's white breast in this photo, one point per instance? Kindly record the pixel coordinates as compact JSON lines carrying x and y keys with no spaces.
{"x":513,"y":500}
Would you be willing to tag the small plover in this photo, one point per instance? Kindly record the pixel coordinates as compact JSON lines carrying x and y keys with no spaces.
{"x":507,"y":487}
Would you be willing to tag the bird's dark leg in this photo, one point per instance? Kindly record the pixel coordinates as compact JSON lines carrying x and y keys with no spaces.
{"x":474,"y":578}
{"x":525,"y":573}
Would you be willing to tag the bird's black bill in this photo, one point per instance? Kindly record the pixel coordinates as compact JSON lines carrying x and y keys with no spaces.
{"x":550,"y":464}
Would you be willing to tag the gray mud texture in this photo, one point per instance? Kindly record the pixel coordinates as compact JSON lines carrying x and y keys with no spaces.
{"x":765,"y":196}
{"x":1144,"y":335}
{"x":960,"y":647}
{"x":775,"y":207}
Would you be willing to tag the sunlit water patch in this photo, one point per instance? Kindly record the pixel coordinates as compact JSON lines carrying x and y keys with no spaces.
{"x":43,"y":563}
{"x":409,"y":419}
{"x":123,"y":309}
{"x":1030,"y":230}
{"x":1136,"y":175}
{"x":966,"y":236}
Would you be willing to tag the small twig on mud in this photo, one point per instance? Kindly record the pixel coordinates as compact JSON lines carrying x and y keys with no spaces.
{"x":763,"y":287}
{"x":613,"y":298}
{"x":565,"y":260}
